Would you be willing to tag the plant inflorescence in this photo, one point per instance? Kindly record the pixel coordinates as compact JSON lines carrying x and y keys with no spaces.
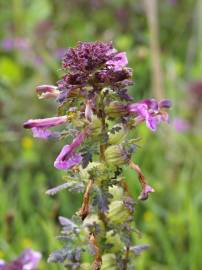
{"x":98,"y":116}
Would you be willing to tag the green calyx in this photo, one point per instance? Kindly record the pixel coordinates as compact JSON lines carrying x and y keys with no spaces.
{"x":115,"y":155}
{"x":118,"y":213}
{"x":109,"y":262}
{"x":117,"y":135}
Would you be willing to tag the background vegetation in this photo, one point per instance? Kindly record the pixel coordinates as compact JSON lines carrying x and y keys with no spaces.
{"x":163,"y":40}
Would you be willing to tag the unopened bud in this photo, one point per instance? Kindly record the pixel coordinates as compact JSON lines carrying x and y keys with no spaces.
{"x":47,"y":91}
{"x":74,"y":92}
{"x":109,"y":262}
{"x":116,"y":109}
{"x":95,"y":126}
{"x":93,"y":220}
{"x":118,"y":213}
{"x":114,"y":240}
{"x":89,"y":111}
{"x":84,"y":266}
{"x":116,"y":155}
{"x":118,"y":134}
{"x":97,"y":170}
{"x":117,"y":192}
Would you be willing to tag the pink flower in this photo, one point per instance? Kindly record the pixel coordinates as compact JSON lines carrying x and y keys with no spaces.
{"x":67,"y":157}
{"x":40,"y":126}
{"x":150,"y":111}
{"x":47,"y":91}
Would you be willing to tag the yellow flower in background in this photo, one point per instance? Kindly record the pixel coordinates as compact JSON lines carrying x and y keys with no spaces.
{"x":27,"y":143}
{"x":26,"y":243}
{"x":1,"y":254}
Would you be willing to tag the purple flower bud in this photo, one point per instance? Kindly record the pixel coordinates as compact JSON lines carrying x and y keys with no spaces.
{"x":47,"y":91}
{"x":118,"y":62}
{"x":145,"y":192}
{"x":67,"y":157}
{"x":87,"y":56}
{"x":88,"y":110}
{"x":28,"y":260}
{"x":39,"y":126}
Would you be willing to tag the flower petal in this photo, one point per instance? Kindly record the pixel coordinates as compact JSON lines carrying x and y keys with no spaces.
{"x":43,"y":133}
{"x":65,"y":164}
{"x":145,"y":192}
{"x":67,"y":157}
{"x":30,"y":259}
{"x":46,"y":122}
{"x":153,"y":121}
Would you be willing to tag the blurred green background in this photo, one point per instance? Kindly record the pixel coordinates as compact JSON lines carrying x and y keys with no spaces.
{"x":163,"y":40}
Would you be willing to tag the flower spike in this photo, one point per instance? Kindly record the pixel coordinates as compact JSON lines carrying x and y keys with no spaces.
{"x":92,"y":98}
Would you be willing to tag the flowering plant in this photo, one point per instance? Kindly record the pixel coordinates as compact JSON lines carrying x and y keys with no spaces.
{"x":98,"y":113}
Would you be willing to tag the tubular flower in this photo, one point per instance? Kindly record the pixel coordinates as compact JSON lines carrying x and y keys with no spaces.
{"x":67,"y":157}
{"x":150,"y":111}
{"x":40,"y":126}
{"x":47,"y":91}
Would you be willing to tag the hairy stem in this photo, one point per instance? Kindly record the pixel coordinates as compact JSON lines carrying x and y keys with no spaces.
{"x":84,"y":210}
{"x":139,"y":172}
{"x":126,"y":259}
{"x":98,"y":259}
